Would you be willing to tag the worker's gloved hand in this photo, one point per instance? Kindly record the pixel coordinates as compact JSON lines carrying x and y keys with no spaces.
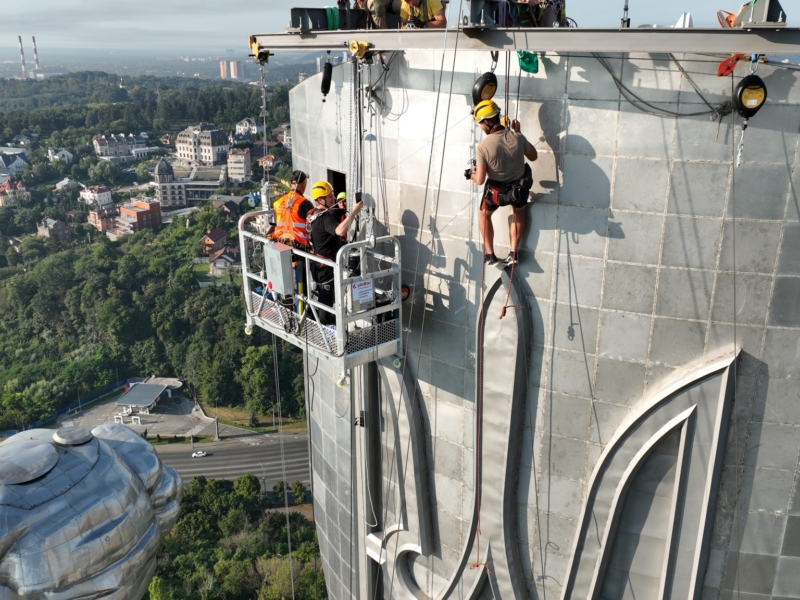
{"x":515,"y":126}
{"x":357,"y":208}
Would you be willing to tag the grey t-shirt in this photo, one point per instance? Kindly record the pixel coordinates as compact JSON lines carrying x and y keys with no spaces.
{"x":503,"y":153}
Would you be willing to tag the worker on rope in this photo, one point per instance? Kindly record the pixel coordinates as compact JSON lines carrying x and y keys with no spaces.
{"x":377,"y":10}
{"x":500,"y":163}
{"x":289,"y":213}
{"x":415,"y":14}
{"x":328,"y":225}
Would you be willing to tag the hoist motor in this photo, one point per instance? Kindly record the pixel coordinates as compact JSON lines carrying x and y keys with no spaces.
{"x":484,"y":88}
{"x":749,"y":96}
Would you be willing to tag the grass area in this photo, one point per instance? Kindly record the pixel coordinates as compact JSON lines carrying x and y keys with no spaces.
{"x":102,"y":399}
{"x":165,"y":440}
{"x":201,"y":271}
{"x":238,"y":417}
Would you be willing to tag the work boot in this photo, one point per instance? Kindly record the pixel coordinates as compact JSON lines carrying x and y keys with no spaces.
{"x":489,"y":260}
{"x":511,"y":259}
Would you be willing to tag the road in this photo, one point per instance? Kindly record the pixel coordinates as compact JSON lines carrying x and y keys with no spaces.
{"x":259,"y":455}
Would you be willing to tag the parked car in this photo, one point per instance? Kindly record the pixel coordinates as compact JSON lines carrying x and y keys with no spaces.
{"x":198,"y":454}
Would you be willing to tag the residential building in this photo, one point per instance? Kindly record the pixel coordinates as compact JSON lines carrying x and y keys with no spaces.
{"x":284,"y":133}
{"x":12,"y":193}
{"x":21,"y":140}
{"x":103,"y":218}
{"x":213,"y":240}
{"x":67,"y":184}
{"x":119,"y":145}
{"x":184,"y":186}
{"x":249,"y":126}
{"x":225,"y":260}
{"x":13,"y":150}
{"x":230,"y":205}
{"x":238,"y":138}
{"x":96,"y":195}
{"x":266,"y":162}
{"x":223,"y":69}
{"x":55,"y":155}
{"x":138,"y":214}
{"x":236,"y":69}
{"x":202,"y":145}
{"x":239,"y":169}
{"x":53,"y":228}
{"x":11,"y":164}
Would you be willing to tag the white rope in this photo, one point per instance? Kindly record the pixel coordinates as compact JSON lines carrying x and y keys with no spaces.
{"x":283,"y":458}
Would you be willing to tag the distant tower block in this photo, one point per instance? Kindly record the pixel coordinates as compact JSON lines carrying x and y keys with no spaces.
{"x":236,"y":68}
{"x":22,"y":58}
{"x":35,"y":52}
{"x":223,"y":69}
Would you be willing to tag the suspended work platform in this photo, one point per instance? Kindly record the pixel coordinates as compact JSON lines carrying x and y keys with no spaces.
{"x":365,"y":322}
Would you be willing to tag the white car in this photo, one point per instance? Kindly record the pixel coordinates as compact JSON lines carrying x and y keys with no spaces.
{"x":198,"y":454}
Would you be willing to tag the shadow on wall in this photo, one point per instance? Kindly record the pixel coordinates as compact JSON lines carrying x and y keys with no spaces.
{"x":738,"y":496}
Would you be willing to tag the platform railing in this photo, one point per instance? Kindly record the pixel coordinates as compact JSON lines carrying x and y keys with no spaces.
{"x":366,"y":314}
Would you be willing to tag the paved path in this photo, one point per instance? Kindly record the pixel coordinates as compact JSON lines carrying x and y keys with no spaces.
{"x":256,"y":454}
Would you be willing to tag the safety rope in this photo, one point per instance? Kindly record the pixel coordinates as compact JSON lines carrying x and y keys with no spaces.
{"x":656,"y":111}
{"x":479,"y":426}
{"x":428,"y":266}
{"x":283,"y":457}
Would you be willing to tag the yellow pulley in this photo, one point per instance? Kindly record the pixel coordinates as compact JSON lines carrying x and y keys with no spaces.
{"x":359,"y":49}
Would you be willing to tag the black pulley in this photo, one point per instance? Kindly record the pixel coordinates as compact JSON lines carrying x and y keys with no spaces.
{"x":327,"y":74}
{"x":484,"y":87}
{"x":749,"y":96}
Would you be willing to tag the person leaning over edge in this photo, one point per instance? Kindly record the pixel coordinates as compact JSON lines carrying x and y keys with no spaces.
{"x":422,"y":13}
{"x":500,"y":162}
{"x":328,"y":227}
{"x":289,"y":212}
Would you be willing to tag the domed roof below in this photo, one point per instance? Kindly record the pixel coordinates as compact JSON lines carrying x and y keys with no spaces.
{"x":23,"y":462}
{"x":72,"y":436}
{"x":163,"y":168}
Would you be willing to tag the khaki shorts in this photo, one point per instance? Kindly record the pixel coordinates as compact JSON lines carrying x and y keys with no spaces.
{"x":378,"y":8}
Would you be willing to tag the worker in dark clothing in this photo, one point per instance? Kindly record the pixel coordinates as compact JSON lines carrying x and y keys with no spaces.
{"x":500,"y":163}
{"x":328,"y":225}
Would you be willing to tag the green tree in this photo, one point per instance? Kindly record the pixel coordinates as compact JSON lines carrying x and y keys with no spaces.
{"x":298,"y":492}
{"x":279,"y":489}
{"x":104,"y":172}
{"x":247,"y":486}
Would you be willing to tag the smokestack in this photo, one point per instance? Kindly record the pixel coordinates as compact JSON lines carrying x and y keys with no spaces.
{"x":22,"y":58}
{"x":35,"y":52}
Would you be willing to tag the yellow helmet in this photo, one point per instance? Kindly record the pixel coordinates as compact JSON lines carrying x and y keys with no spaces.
{"x":485,"y":109}
{"x":321,"y":189}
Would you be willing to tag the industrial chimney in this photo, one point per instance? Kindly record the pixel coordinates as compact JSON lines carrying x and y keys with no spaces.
{"x":35,"y":52}
{"x":22,"y":58}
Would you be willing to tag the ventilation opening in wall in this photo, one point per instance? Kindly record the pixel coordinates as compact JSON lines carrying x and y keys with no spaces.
{"x":338,"y":181}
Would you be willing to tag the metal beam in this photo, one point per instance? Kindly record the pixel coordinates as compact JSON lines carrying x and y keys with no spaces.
{"x":777,"y":40}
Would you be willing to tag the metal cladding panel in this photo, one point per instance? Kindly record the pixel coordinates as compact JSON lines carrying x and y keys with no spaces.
{"x":89,"y":525}
{"x":645,"y":256}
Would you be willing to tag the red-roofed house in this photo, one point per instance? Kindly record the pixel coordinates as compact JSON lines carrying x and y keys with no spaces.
{"x":97,"y":195}
{"x":223,"y":260}
{"x":214,"y":240}
{"x":12,"y":193}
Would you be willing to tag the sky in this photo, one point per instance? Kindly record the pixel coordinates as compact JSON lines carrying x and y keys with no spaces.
{"x":143,"y":26}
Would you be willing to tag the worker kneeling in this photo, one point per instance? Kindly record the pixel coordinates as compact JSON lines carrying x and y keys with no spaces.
{"x":328,"y":224}
{"x":500,"y":163}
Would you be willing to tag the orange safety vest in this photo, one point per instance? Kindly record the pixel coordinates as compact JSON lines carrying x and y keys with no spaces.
{"x":289,"y":226}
